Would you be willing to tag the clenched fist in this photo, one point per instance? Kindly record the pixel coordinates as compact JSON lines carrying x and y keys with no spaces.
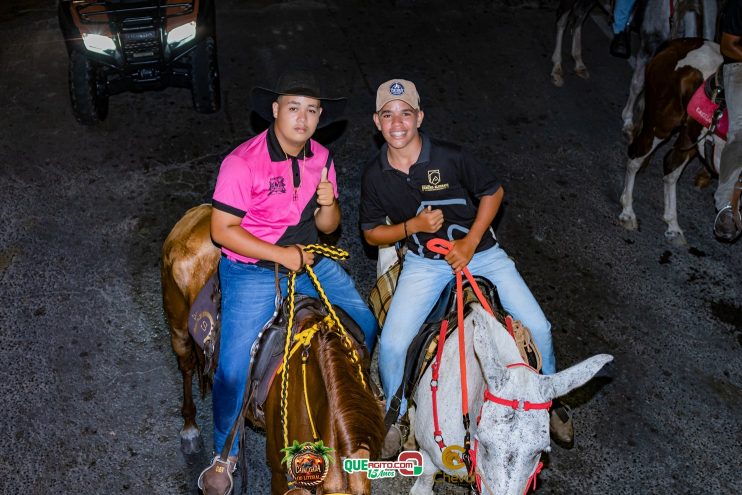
{"x":428,"y":221}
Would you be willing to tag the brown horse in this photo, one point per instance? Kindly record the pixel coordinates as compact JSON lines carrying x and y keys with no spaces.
{"x":347,"y":415}
{"x":189,"y":259}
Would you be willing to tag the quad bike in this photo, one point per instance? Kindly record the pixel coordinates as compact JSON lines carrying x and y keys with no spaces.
{"x":137,"y":45}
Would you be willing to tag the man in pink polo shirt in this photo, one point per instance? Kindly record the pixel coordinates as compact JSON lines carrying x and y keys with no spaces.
{"x":273,"y":194}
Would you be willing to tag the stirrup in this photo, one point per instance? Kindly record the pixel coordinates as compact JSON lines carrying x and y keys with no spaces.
{"x":220,"y":466}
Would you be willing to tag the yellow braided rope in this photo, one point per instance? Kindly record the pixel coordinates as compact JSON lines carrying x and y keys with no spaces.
{"x":315,"y":437}
{"x":334,"y":253}
{"x":304,"y":337}
{"x":285,"y":371}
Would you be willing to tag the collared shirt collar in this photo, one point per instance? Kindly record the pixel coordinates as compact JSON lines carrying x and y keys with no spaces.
{"x":423,"y":158}
{"x":276,"y":152}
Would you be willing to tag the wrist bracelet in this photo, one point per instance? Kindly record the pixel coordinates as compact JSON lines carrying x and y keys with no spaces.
{"x":301,"y":257}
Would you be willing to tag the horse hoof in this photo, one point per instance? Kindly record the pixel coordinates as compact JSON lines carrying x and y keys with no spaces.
{"x":191,"y":444}
{"x":629,"y":223}
{"x":557,"y":80}
{"x":628,"y":133}
{"x":583,"y":73}
{"x":677,"y":239}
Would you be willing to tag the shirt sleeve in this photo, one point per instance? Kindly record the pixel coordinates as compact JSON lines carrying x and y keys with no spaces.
{"x":371,"y":212}
{"x":232,"y":193}
{"x":477,"y":178}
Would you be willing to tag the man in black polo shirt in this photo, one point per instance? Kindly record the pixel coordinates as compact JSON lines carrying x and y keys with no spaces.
{"x":727,"y":226}
{"x":432,"y":189}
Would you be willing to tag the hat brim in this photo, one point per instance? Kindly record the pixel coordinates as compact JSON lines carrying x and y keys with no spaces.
{"x":263,"y":98}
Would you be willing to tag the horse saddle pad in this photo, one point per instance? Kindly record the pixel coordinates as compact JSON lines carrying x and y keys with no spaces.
{"x":422,"y":350}
{"x":267,"y":351}
{"x":704,"y":104}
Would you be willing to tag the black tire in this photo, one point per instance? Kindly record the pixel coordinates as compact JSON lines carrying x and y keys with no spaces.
{"x":87,"y":90}
{"x":205,"y":88}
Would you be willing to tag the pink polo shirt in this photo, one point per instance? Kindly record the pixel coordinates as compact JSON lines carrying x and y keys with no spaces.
{"x":256,"y":182}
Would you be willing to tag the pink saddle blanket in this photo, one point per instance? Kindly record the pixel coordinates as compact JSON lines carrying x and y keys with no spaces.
{"x":701,"y":109}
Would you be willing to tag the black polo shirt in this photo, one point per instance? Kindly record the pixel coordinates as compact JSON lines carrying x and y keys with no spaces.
{"x":731,"y":22}
{"x":444,"y":177}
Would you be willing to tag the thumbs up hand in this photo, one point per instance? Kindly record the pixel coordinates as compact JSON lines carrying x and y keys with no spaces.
{"x":325,"y":193}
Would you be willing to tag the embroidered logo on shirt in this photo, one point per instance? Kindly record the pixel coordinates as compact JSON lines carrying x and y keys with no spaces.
{"x":434,"y":177}
{"x":276,"y":185}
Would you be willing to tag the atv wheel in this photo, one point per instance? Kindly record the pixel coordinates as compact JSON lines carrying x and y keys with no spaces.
{"x":87,"y":90}
{"x":205,"y":77}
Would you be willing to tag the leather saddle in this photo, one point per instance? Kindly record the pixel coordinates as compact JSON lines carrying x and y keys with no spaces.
{"x":267,"y":351}
{"x":422,"y":350}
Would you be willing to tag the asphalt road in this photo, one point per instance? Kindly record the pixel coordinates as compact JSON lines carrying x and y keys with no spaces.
{"x":90,"y":388}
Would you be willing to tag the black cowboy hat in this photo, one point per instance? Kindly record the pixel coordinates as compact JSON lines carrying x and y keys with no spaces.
{"x":298,"y":83}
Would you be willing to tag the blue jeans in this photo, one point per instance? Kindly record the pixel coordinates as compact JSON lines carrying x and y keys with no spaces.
{"x":248,"y":295}
{"x":421,"y":282}
{"x":621,"y":13}
{"x":731,"y":157}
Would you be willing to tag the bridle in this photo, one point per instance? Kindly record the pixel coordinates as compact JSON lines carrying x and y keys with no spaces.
{"x":469,"y":456}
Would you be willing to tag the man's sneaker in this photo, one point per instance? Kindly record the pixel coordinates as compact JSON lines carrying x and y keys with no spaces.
{"x":725,"y":228}
{"x":394,"y":440}
{"x":621,"y":45}
{"x":560,"y":425}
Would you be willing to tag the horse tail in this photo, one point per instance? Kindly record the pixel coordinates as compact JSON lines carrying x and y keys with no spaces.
{"x":357,"y":415}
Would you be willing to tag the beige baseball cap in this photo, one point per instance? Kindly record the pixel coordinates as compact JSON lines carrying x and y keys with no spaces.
{"x":397,"y":89}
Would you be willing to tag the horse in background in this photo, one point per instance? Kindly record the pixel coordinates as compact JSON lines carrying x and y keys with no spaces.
{"x":572,"y":14}
{"x":349,"y":418}
{"x":672,"y":77}
{"x":661,"y":20}
{"x":664,"y":20}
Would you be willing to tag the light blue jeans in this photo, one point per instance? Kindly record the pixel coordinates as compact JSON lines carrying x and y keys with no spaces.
{"x":621,"y":13}
{"x":421,"y":282}
{"x":248,"y":295}
{"x":731,"y":157}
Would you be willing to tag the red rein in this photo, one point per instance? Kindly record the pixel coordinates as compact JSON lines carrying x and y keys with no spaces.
{"x":441,"y":246}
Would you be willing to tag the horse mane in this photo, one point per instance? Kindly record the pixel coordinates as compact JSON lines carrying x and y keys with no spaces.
{"x":357,"y":414}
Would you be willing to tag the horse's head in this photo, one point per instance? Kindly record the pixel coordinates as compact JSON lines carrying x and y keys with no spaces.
{"x":511,"y":437}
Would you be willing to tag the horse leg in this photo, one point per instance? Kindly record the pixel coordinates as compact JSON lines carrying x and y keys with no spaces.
{"x":581,"y":11}
{"x":190,"y":436}
{"x":176,"y":309}
{"x":424,"y":483}
{"x":674,"y":164}
{"x":631,"y":113}
{"x":627,"y":216}
{"x":557,"y":75}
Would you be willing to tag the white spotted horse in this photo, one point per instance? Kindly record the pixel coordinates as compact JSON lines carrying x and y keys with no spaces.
{"x":478,"y":367}
{"x":674,"y":83}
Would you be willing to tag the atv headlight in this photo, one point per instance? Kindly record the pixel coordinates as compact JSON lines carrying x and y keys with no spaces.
{"x":181,"y":34}
{"x":98,"y":43}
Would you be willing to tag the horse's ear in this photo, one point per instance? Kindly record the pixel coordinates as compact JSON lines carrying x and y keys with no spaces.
{"x":554,"y":386}
{"x":485,"y":347}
